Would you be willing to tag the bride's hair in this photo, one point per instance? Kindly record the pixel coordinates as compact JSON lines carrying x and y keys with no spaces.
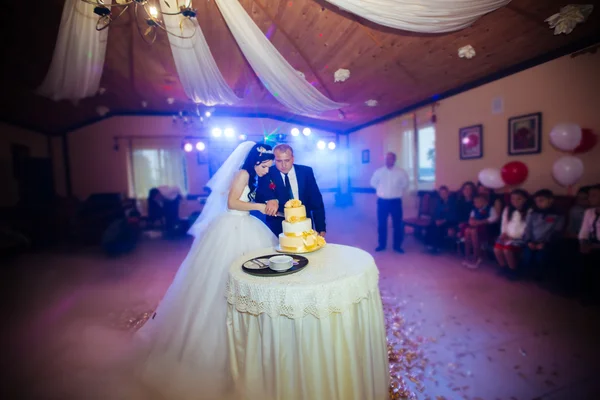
{"x":259,"y":153}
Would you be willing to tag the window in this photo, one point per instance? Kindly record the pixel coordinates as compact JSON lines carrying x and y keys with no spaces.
{"x":154,"y":167}
{"x":426,"y":154}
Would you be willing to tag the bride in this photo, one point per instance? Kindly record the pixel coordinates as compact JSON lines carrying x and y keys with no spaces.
{"x":184,"y":345}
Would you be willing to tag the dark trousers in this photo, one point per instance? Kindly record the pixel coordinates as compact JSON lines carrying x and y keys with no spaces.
{"x":590,"y":275}
{"x":385,"y":208}
{"x":274,"y":224}
{"x":537,"y":262}
{"x":436,"y":234}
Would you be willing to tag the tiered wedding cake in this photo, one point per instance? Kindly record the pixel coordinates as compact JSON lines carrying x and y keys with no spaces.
{"x":298,"y":235}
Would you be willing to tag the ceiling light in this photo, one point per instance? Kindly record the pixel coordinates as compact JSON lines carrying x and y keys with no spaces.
{"x":243,"y":137}
{"x":207,"y":114}
{"x":295,"y":131}
{"x":150,"y":14}
{"x":306,"y":131}
{"x":229,"y":132}
{"x":200,"y":146}
{"x":331,"y":146}
{"x":321,"y":145}
{"x":216,"y":132}
{"x":188,"y":147}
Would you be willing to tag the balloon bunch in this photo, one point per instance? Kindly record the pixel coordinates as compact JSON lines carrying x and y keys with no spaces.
{"x":511,"y":174}
{"x":570,"y":138}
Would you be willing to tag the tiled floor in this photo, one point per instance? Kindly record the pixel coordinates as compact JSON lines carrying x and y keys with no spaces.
{"x":68,"y":316}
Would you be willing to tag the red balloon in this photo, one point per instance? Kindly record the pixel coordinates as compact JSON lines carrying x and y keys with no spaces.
{"x":514,"y":173}
{"x":588,"y":141}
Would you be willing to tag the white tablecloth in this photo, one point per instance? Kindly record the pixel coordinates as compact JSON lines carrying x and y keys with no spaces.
{"x":318,"y":334}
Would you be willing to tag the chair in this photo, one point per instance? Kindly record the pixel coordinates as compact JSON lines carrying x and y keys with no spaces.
{"x":424,"y":218}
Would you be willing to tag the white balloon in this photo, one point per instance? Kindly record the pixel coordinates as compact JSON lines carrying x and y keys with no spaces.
{"x":491,"y":178}
{"x":566,"y":137}
{"x":567,"y":170}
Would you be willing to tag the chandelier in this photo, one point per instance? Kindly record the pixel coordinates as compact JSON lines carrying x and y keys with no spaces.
{"x":109,"y":11}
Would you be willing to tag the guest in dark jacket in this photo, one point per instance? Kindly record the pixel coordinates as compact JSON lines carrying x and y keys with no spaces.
{"x":544,"y":227}
{"x":444,"y":218}
{"x":464,"y":206}
{"x":156,"y":212}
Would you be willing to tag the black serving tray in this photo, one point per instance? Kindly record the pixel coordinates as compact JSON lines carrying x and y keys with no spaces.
{"x":299,"y":264}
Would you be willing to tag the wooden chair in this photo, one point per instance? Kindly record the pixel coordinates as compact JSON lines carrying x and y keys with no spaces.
{"x":424,"y":218}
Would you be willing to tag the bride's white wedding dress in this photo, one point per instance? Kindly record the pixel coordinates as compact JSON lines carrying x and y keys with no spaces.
{"x":184,"y":345}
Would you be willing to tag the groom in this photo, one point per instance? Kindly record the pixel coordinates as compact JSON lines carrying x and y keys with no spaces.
{"x":286,"y":181}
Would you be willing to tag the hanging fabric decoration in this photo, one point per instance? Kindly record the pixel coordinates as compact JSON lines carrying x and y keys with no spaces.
{"x":198,"y":72}
{"x":425,"y":16}
{"x":78,"y":58}
{"x":278,"y":76}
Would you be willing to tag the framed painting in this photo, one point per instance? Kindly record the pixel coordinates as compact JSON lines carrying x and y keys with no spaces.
{"x":366,"y":156}
{"x":525,"y":134}
{"x":470,"y":142}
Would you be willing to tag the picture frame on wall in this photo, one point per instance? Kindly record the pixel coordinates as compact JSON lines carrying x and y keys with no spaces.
{"x":470,"y":141}
{"x":525,"y":134}
{"x":366,"y":156}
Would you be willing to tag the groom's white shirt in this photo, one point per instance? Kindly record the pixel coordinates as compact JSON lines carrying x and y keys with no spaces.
{"x":293,"y":181}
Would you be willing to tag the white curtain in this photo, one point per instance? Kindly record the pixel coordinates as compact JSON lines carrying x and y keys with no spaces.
{"x":424,"y":16}
{"x":156,"y":163}
{"x":78,"y":57}
{"x":278,"y":76}
{"x":196,"y":67}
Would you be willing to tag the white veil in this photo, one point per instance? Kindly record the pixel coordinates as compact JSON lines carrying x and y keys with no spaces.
{"x":219,"y":184}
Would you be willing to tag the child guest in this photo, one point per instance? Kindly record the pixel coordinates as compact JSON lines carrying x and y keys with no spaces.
{"x":589,"y":239}
{"x":482,"y":216}
{"x":464,"y":206}
{"x":576,"y":212}
{"x":544,"y":226}
{"x":512,"y":228}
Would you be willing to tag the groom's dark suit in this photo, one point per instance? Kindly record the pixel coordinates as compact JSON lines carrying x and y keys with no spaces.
{"x":272,"y":187}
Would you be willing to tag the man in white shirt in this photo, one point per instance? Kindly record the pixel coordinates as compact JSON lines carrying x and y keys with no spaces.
{"x":390,"y":182}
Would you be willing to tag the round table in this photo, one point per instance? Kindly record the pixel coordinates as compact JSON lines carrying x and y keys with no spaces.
{"x":316,"y":334}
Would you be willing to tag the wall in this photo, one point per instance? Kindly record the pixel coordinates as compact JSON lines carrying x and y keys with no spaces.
{"x":564,"y":90}
{"x":96,"y":167}
{"x":10,"y":134}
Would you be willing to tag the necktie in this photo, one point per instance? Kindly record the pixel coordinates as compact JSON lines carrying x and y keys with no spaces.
{"x":289,"y":187}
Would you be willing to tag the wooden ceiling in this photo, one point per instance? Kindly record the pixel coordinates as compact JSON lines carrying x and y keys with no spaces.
{"x":398,"y":69}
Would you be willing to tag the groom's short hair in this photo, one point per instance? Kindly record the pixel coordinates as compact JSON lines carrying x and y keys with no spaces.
{"x":284,"y":148}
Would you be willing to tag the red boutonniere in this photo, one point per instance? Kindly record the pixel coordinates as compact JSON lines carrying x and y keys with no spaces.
{"x":550,"y":220}
{"x":272,"y":185}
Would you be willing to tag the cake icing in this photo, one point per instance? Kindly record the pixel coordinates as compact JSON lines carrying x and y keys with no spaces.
{"x":298,"y":235}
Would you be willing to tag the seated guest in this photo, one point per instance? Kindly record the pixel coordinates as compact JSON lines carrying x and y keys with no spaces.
{"x":576,"y":212}
{"x":589,"y":239}
{"x":512,"y":228}
{"x":482,"y":215}
{"x":156,"y":213}
{"x":495,"y":200}
{"x":464,"y":206}
{"x":444,"y":218}
{"x":497,"y":204}
{"x":544,"y":227}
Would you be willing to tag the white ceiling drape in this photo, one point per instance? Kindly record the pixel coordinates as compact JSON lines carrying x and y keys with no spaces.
{"x":278,"y":76}
{"x":199,"y":75}
{"x":78,"y":58}
{"x":424,"y":16}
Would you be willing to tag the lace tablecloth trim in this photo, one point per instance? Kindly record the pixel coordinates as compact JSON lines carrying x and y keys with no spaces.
{"x":298,"y":301}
